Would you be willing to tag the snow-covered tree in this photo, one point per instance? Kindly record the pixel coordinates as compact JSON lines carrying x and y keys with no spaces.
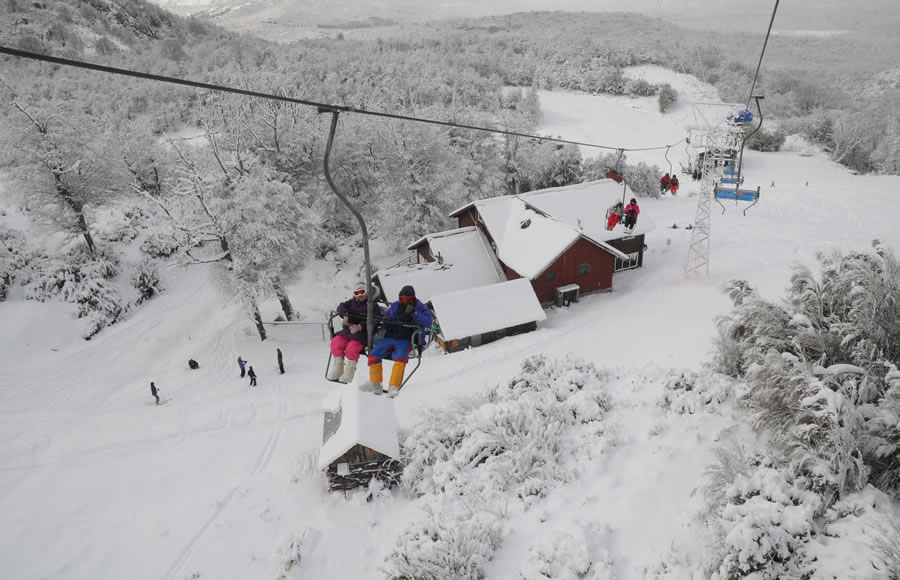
{"x":68,"y":168}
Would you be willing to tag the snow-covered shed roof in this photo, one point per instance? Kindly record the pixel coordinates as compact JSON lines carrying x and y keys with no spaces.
{"x":583,"y":207}
{"x":527,"y":241}
{"x":486,"y":308}
{"x":363,"y":419}
{"x":467,"y":262}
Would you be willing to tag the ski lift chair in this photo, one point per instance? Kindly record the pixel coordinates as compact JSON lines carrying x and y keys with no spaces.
{"x":420,"y":340}
{"x":737,"y":194}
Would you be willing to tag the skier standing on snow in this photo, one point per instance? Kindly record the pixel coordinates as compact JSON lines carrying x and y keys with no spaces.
{"x":352,"y":338}
{"x":396,"y":344}
{"x":154,"y":392}
{"x":664,"y":183}
{"x":252,"y":376}
{"x":631,"y":213}
{"x":280,"y":361}
{"x":241,"y":364}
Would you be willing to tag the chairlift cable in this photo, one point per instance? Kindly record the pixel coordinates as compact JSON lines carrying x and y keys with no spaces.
{"x":322,"y":107}
{"x":761,"y":54}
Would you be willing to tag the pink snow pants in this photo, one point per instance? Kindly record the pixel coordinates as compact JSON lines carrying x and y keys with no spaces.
{"x":345,"y":346}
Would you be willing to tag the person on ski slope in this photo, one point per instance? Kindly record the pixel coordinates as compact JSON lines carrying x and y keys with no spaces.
{"x":614,"y":214}
{"x":631,"y":213}
{"x":396,"y":344}
{"x":352,"y":338}
{"x":154,"y":392}
{"x":280,"y":358}
{"x":241,"y":365}
{"x":252,"y":376}
{"x":664,"y":183}
{"x":673,"y":184}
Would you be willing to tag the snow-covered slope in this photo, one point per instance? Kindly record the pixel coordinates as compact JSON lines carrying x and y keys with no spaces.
{"x":220,"y":482}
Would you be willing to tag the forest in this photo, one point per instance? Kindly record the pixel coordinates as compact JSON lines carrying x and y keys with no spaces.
{"x":126,"y":177}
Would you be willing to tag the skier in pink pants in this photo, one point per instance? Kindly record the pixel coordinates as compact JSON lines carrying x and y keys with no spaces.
{"x":352,"y":338}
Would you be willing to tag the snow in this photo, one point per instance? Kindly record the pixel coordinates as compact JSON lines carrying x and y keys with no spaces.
{"x":467,"y":262}
{"x":365,"y":419}
{"x":486,"y":308}
{"x":96,"y":482}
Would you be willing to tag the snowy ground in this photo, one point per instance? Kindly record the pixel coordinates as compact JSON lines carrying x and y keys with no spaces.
{"x":96,"y":482}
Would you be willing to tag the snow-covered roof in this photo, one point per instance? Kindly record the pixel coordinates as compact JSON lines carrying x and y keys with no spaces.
{"x":467,"y":262}
{"x":487,"y":308}
{"x":527,"y":241}
{"x":363,"y":419}
{"x":583,"y":207}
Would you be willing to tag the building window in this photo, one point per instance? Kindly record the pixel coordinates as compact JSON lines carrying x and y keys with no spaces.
{"x":631,"y":262}
{"x":584,"y":269}
{"x":550,"y":276}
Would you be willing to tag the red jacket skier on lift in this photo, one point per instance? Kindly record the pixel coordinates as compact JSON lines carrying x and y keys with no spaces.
{"x":664,"y":183}
{"x":631,"y":213}
{"x":673,"y":184}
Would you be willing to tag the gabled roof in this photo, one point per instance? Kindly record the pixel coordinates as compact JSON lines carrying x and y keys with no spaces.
{"x":362,"y":419}
{"x":467,"y":261}
{"x":487,"y":308}
{"x":583,"y":207}
{"x":529,"y":234}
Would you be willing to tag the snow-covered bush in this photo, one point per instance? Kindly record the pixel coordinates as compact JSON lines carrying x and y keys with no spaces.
{"x":642,"y":179}
{"x":81,"y":279}
{"x":690,"y":391}
{"x":818,"y":367}
{"x":159,"y":245}
{"x":759,"y":515}
{"x":667,"y":97}
{"x":566,"y":555}
{"x":764,"y":140}
{"x":473,"y":458}
{"x":12,"y":259}
{"x":146,"y":280}
{"x":453,"y":540}
{"x":516,"y":432}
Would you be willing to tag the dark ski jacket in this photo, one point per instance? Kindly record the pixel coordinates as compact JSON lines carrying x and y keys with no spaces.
{"x":280,"y":358}
{"x":152,"y":389}
{"x":251,"y":374}
{"x":241,"y":363}
{"x":421,"y":316}
{"x":356,"y":312}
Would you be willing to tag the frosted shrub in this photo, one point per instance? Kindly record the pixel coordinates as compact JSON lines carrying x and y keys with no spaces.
{"x":83,"y":280}
{"x":510,"y":435}
{"x":12,"y":259}
{"x":819,"y":368}
{"x":689,"y":392}
{"x":473,"y":458}
{"x":158,"y":245}
{"x":565,"y":555}
{"x":146,"y":281}
{"x":452,"y":542}
{"x":765,"y":517}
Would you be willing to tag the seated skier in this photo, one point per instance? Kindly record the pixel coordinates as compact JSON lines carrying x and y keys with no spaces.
{"x":396,"y":344}
{"x":352,"y":338}
{"x":614,"y":214}
{"x":631,"y":213}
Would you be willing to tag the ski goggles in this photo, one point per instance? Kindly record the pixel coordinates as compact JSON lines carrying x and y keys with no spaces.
{"x":407,"y":300}
{"x":360,"y":292}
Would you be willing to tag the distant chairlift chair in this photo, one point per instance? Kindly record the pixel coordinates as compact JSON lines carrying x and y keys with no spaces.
{"x":737,"y":194}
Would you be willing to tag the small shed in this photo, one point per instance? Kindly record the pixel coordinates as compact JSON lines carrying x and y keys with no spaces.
{"x":360,"y":441}
{"x":481,"y":315}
